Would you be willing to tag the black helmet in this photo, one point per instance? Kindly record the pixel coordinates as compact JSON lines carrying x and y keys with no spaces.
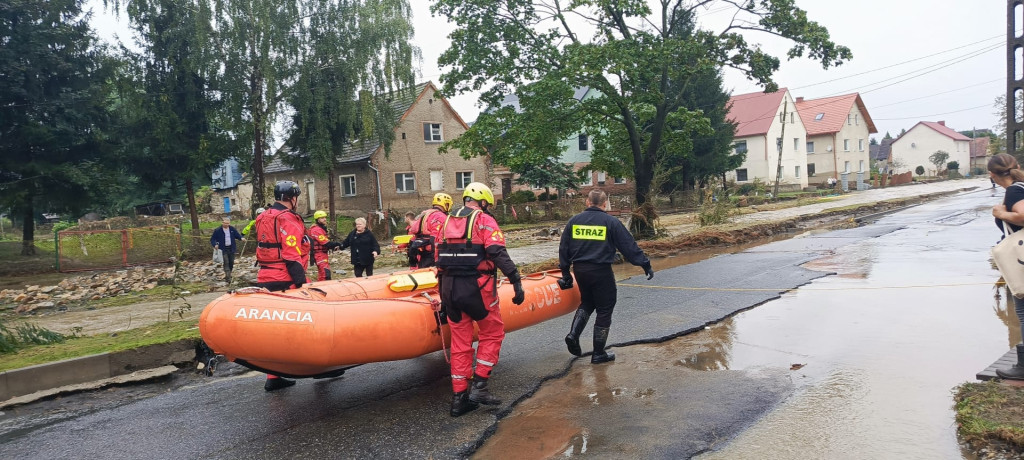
{"x":285,"y":190}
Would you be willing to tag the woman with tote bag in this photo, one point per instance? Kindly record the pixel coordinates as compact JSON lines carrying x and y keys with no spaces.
{"x":1006,"y":173}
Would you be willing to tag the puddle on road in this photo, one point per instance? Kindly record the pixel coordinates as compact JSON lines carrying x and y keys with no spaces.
{"x":872,"y":367}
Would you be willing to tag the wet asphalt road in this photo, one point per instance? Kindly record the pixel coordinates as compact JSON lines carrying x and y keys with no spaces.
{"x":399,"y":409}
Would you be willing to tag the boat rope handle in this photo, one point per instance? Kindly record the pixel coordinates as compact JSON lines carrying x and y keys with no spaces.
{"x":436,"y":306}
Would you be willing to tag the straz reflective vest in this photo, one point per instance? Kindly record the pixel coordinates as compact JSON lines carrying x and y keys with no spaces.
{"x":319,"y":238}
{"x":457,"y":254}
{"x":272,"y":239}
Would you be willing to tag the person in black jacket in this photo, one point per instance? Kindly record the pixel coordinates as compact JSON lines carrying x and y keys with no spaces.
{"x":588,"y":244}
{"x":226,"y":239}
{"x":365,"y":248}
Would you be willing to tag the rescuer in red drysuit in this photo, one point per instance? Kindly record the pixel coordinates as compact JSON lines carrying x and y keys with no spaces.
{"x":426,"y":229}
{"x":321,"y":245}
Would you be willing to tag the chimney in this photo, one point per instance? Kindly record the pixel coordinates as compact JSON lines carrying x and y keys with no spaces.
{"x":942,"y":122}
{"x":800,"y":99}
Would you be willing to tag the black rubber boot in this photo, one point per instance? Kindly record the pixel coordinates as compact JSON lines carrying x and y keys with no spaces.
{"x":461,"y":404}
{"x":277,"y":384}
{"x":572,"y":339}
{"x":478,"y":392}
{"x":1016,"y":372}
{"x":600,"y":355}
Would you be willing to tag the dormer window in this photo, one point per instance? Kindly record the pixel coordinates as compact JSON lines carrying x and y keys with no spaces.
{"x":819,"y":116}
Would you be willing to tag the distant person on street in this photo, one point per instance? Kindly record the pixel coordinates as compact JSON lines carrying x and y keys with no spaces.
{"x":588,"y":245}
{"x":1004,"y":171}
{"x":469,"y":255}
{"x":282,"y":251}
{"x":226,"y":239}
{"x":426,"y":230}
{"x":364,"y":247}
{"x":322,"y":244}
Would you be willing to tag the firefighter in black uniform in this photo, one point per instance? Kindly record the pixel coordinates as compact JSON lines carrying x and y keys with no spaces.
{"x":589,"y":243}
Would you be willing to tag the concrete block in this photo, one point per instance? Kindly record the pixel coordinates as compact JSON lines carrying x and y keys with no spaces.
{"x":52,"y":375}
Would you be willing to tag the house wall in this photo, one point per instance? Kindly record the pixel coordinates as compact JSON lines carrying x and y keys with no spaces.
{"x":858,"y":155}
{"x":823,"y":158}
{"x":412,"y":153}
{"x":915,"y":146}
{"x":762,"y":151}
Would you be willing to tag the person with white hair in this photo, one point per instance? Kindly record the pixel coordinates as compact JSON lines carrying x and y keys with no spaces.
{"x":364,"y":248}
{"x":226,"y":239}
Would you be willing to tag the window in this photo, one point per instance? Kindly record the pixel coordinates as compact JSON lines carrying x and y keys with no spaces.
{"x":741,"y":175}
{"x":810,"y":169}
{"x":741,"y":147}
{"x":588,"y":178}
{"x":405,"y":182}
{"x":782,"y":174}
{"x":846,"y":145}
{"x":810,"y":147}
{"x":436,"y":180}
{"x":462,"y":179}
{"x":819,"y":116}
{"x":432,"y":132}
{"x":620,"y":180}
{"x":796,"y":144}
{"x":601,"y":177}
{"x":846,"y":167}
{"x":861,"y":166}
{"x":792,"y":117}
{"x":348,"y":185}
{"x":584,"y":143}
{"x":856,"y":120}
{"x":860,"y":144}
{"x":849,"y":120}
{"x":796,"y":172}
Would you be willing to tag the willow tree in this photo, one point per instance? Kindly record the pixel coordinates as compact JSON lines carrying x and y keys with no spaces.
{"x":631,"y":53}
{"x":356,"y":49}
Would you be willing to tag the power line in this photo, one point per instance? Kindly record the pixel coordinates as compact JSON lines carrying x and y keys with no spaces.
{"x":921,"y":117}
{"x":938,"y":94}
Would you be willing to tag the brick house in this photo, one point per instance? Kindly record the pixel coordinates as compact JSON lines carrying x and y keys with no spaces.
{"x":368,"y":180}
{"x":759,"y":122}
{"x":838,"y":134}
{"x":979,"y":155}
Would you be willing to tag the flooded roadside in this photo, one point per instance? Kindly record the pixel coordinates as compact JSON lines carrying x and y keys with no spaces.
{"x":863,"y":363}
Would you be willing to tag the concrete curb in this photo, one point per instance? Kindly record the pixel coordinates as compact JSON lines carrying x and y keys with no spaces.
{"x":102,"y":369}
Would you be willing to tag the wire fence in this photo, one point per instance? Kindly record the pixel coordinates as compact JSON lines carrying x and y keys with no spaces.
{"x":81,"y":250}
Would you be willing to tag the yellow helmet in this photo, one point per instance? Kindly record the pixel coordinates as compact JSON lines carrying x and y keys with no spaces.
{"x":443,"y":200}
{"x":317,"y":215}
{"x":478,"y":192}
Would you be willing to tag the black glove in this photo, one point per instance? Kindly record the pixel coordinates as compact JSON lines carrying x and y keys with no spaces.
{"x":565,"y":282}
{"x":520,"y":296}
{"x":648,"y":271}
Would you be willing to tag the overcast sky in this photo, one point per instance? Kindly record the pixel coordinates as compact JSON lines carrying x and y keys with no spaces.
{"x":951,"y":55}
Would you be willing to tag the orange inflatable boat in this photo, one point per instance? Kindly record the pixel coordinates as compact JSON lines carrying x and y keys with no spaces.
{"x":320,"y":329}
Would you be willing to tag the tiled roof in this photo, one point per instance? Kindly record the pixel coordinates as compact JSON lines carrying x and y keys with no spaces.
{"x":882,"y":150}
{"x":833,"y":111}
{"x":753,"y":112}
{"x":941,"y":128}
{"x":979,"y":147}
{"x":358,"y":150}
{"x":513,"y":100}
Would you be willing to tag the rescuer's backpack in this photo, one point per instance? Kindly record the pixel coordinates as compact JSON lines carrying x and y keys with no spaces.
{"x":456,"y":254}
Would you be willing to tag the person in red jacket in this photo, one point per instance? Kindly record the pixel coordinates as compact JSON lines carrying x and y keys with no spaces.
{"x":426,"y":229}
{"x":322,"y":244}
{"x":469,"y":254}
{"x":282,"y":251}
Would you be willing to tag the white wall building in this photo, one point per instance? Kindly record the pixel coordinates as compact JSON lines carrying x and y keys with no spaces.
{"x":915,"y":146}
{"x":838,"y":133}
{"x":760,"y":119}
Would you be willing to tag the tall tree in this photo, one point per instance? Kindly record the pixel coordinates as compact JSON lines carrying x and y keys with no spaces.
{"x":259,"y":42}
{"x":169,"y":94}
{"x":53,"y":111}
{"x":352,"y":47}
{"x":633,"y":59}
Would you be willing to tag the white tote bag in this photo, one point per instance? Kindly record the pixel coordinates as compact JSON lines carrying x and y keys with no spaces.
{"x":1009,"y":258}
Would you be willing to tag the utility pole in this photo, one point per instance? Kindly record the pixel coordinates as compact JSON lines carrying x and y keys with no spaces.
{"x":781,"y":142}
{"x":1014,"y":126}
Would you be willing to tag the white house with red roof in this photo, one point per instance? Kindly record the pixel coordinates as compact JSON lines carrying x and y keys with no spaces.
{"x":915,"y":146}
{"x":759,"y":119}
{"x":838,"y":133}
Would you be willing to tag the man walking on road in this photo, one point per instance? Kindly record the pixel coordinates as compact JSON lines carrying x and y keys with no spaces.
{"x":472,"y":249}
{"x":588,"y":243}
{"x":226,"y":239}
{"x":282,"y":251}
